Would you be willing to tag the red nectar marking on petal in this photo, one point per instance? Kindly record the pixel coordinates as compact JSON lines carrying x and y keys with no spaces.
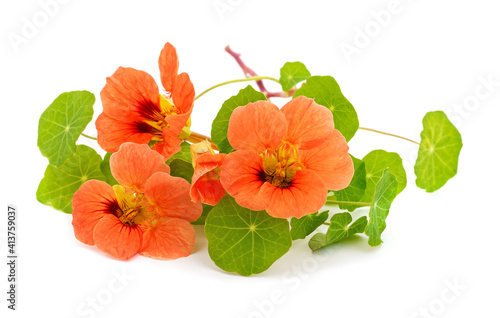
{"x":281,"y":164}
{"x":156,"y":119}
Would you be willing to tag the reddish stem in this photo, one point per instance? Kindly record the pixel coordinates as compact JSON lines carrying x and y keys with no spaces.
{"x":251,"y":73}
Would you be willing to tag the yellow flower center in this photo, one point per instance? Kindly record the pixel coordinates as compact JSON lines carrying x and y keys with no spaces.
{"x":130,"y":205}
{"x":280,"y":165}
{"x":168,"y":108}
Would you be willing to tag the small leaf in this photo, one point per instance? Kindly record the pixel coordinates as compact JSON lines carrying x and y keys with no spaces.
{"x":338,"y":230}
{"x":385,"y":193}
{"x":317,"y":241}
{"x":182,"y":169}
{"x":62,"y":123}
{"x":59,"y":184}
{"x":375,"y":164}
{"x":221,"y":121}
{"x":437,"y":160}
{"x":183,"y":154}
{"x":356,"y":189}
{"x":201,"y":220}
{"x":326,"y":92}
{"x":307,"y":224}
{"x":245,"y":241}
{"x":293,"y":73}
{"x":106,"y":170}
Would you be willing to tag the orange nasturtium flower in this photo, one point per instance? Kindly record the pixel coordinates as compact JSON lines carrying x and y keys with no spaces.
{"x":285,"y":160}
{"x":134,"y":110}
{"x":149,"y":212}
{"x":205,"y":184}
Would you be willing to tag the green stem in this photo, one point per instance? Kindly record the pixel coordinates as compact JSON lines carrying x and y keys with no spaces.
{"x":347,"y":203}
{"x":89,"y":137}
{"x":388,"y":134}
{"x":255,"y":78}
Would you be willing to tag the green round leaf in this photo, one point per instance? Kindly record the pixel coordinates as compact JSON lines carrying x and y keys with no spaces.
{"x":221,"y":121}
{"x":385,"y":193}
{"x":59,"y":184}
{"x":62,"y":123}
{"x":293,"y":73}
{"x":375,"y":164}
{"x":437,"y":160}
{"x":245,"y":241}
{"x":326,"y":92}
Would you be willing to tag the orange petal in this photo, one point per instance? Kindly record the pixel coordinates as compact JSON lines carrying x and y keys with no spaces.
{"x":306,"y":195}
{"x":111,"y":133}
{"x":309,"y":124}
{"x":330,"y":161}
{"x":169,"y":66}
{"x":133,"y":164}
{"x":208,"y":191}
{"x":241,"y":177}
{"x":168,"y":238}
{"x":170,"y":196}
{"x":118,"y":240}
{"x":205,"y":184}
{"x":170,"y":145}
{"x":91,"y":202}
{"x":183,"y":98}
{"x":183,"y":93}
{"x":129,"y":95}
{"x":256,"y":127}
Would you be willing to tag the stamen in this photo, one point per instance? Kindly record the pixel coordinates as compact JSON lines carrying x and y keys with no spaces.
{"x":280,"y":165}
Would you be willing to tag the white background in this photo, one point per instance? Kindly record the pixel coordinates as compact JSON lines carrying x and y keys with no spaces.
{"x":428,"y":55}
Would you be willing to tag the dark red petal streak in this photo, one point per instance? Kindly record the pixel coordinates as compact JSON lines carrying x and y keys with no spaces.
{"x":241,"y":175}
{"x":91,"y":202}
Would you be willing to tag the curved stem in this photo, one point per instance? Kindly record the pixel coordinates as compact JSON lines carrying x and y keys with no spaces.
{"x":254,"y":78}
{"x":388,"y":134}
{"x":89,"y":137}
{"x":196,"y":137}
{"x":347,"y":203}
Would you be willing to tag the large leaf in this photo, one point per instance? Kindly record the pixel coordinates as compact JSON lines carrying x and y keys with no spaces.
{"x":437,"y":160}
{"x":326,"y":92}
{"x":338,"y":230}
{"x":62,"y":123}
{"x":245,"y":241}
{"x":60,"y":183}
{"x":385,"y":193}
{"x":300,"y":228}
{"x":221,"y":121}
{"x":375,"y":164}
{"x":293,"y":73}
{"x":356,"y":189}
